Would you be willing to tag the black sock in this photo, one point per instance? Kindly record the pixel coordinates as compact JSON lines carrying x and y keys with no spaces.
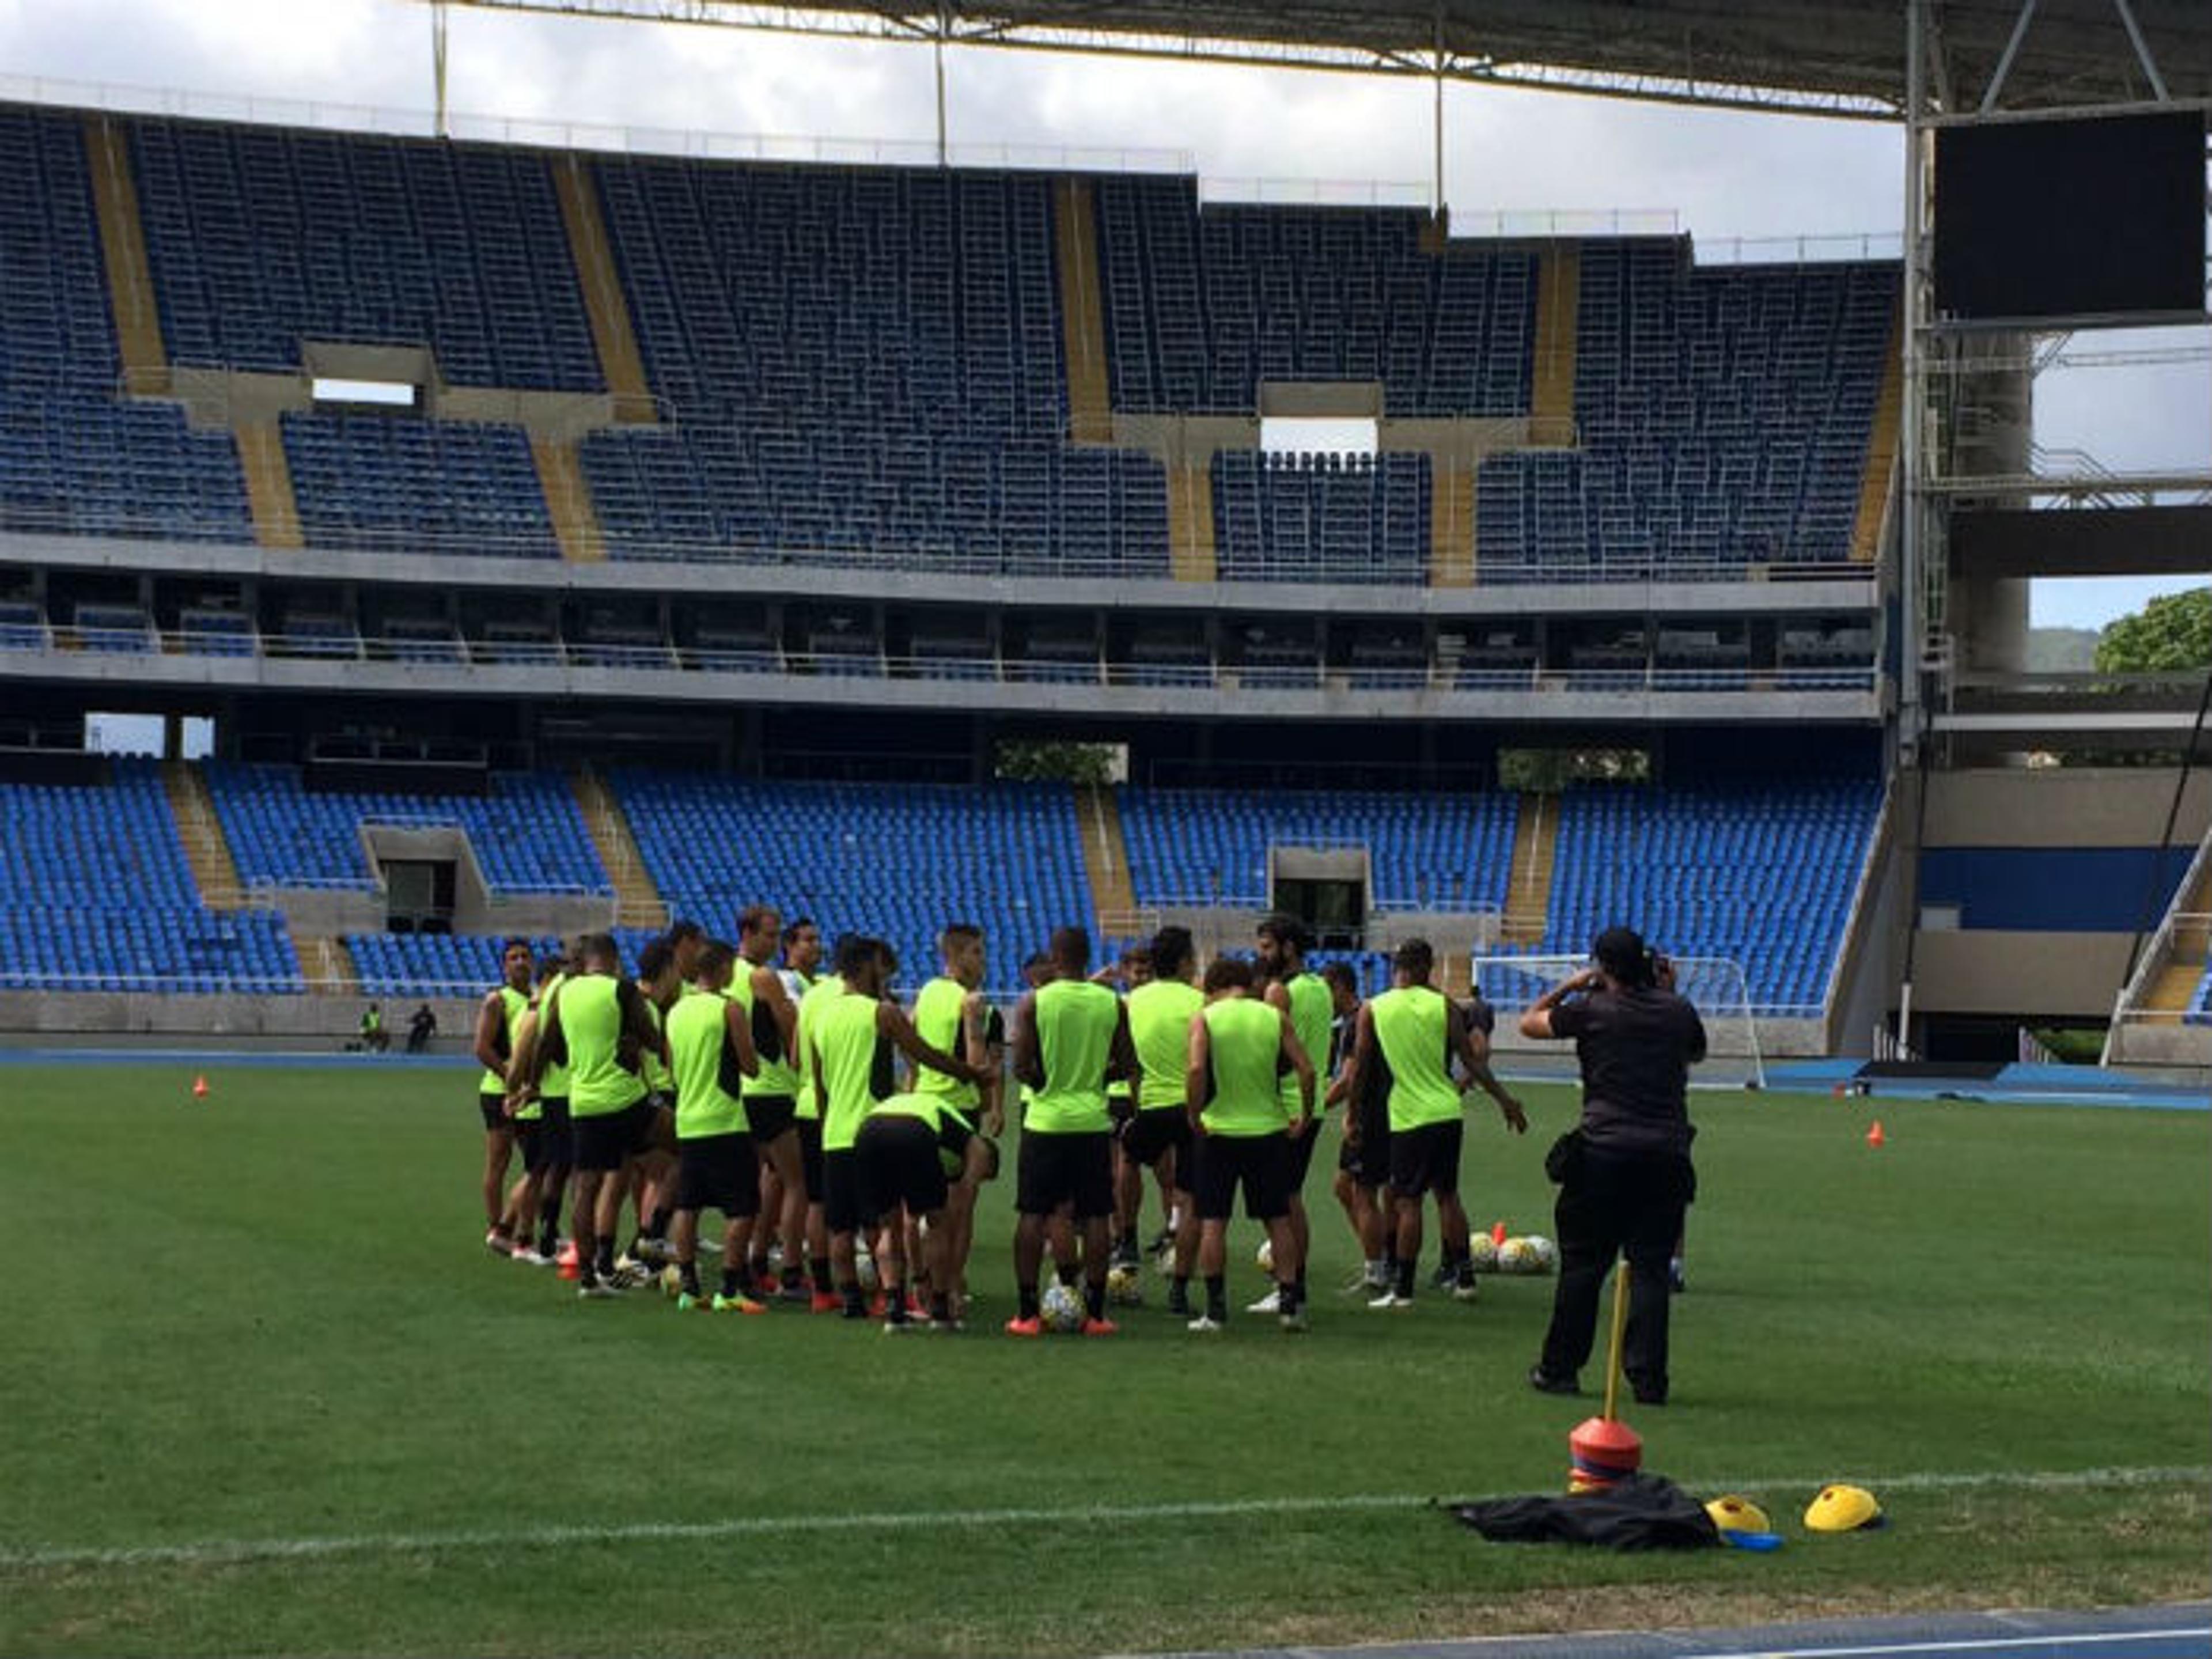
{"x":1216,"y":1297}
{"x":656,"y":1225}
{"x":1070,"y":1273}
{"x":603,"y":1262}
{"x":1300,"y":1281}
{"x":691,"y":1271}
{"x":1094,"y":1300}
{"x":793,"y":1276}
{"x":1179,"y":1293}
{"x":940,"y":1309}
{"x":1292,"y":1297}
{"x":856,"y":1305}
{"x":819,"y":1266}
{"x":501,"y":1230}
{"x":1029,"y":1300}
{"x":550,"y":1216}
{"x":731,"y":1285}
{"x":1462,"y":1268}
{"x":1405,"y":1279}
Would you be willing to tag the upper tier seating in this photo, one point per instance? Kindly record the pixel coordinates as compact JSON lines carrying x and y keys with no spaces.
{"x":864,"y":365}
{"x":1324,"y":518}
{"x":900,"y":861}
{"x":1436,"y":852}
{"x":1723,"y":416}
{"x":1203,"y":304}
{"x":95,"y":895}
{"x":1763,"y":873}
{"x":73,"y":458}
{"x":377,"y":481}
{"x":527,"y":834}
{"x":863,"y":362}
{"x":261,"y":238}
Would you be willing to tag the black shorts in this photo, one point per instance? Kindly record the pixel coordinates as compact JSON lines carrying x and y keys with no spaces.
{"x":898,"y":1164}
{"x":1154,"y":1132}
{"x":809,"y":1159}
{"x":1066,"y":1169}
{"x":559,"y":1133}
{"x":1120,"y":1108}
{"x":842,"y":1201}
{"x":493,"y":1110}
{"x":1425,"y":1159}
{"x":1259,"y":1163}
{"x":718,"y":1172}
{"x":770,"y":1116}
{"x":1301,"y":1158}
{"x":607,"y":1141}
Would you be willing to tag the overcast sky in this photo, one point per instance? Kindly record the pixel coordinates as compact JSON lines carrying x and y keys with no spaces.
{"x":1727,"y":175}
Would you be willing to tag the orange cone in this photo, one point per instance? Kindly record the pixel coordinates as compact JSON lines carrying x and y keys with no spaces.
{"x":1874,"y":1136}
{"x":199,"y":1088}
{"x":1497,"y":1232}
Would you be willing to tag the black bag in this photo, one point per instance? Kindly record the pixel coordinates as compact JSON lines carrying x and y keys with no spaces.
{"x":1563,"y":1162}
{"x":1642,"y":1512}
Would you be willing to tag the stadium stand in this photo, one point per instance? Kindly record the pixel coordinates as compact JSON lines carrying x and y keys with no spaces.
{"x":1338,"y":518}
{"x":898,"y":860}
{"x":73,"y":457}
{"x":392,"y":481}
{"x":867,"y":364}
{"x":1436,"y":852}
{"x":1761,"y":872}
{"x":262,"y":238}
{"x":1723,"y":416}
{"x":527,"y":834}
{"x":447,"y":964}
{"x":95,"y":894}
{"x":1201,"y":305}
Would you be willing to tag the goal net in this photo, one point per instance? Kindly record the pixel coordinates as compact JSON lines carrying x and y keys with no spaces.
{"x":1714,"y":985}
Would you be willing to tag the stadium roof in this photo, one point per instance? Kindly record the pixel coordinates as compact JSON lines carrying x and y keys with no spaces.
{"x":1841,"y":57}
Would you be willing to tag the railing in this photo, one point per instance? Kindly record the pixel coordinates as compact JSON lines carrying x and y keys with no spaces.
{"x":326,"y":115}
{"x":847,"y":666}
{"x":1865,"y":245}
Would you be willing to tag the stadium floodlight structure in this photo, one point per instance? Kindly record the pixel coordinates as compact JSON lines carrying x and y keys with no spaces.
{"x":1715,"y":986}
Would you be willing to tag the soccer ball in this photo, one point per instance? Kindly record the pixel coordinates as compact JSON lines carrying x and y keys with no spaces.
{"x":1514,"y":1256}
{"x":1543,"y":1254}
{"x":1265,"y":1256}
{"x":1482,"y":1249}
{"x":1124,"y":1288}
{"x":1061,"y":1308}
{"x":864,"y":1270}
{"x":672,"y":1281}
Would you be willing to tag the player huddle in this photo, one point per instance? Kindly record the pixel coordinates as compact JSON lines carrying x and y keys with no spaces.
{"x":841,"y":1138}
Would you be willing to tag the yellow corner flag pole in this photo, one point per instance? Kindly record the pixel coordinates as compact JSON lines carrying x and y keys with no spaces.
{"x":1612,"y":1345}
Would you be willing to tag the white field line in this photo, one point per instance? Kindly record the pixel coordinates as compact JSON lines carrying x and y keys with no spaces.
{"x":228,"y":1552}
{"x":2051,"y":1642}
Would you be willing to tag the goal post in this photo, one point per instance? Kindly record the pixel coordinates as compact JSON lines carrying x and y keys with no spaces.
{"x":1715,"y":986}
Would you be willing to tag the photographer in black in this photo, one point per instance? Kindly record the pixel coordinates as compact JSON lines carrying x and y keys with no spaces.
{"x":1625,"y":1174}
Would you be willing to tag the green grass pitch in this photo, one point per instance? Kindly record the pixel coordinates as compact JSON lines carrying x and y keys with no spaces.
{"x":263,"y":1390}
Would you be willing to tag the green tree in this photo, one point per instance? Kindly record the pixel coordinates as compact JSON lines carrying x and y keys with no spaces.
{"x":1056,"y":761}
{"x":2173,"y":632}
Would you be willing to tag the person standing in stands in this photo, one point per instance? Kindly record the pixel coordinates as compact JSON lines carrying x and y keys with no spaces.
{"x":1068,"y":1035}
{"x":851,"y":1045}
{"x":1243,"y":1130}
{"x":1303,"y":999}
{"x":1414,"y":1033}
{"x":502,"y":1006}
{"x":1158,"y":1138}
{"x":598,"y":1022}
{"x":1625,"y":1174}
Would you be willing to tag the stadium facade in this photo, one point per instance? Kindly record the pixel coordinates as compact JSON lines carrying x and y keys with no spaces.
{"x":556,"y":538}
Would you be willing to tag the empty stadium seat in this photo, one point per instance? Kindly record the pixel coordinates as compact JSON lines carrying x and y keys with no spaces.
{"x":95,"y":895}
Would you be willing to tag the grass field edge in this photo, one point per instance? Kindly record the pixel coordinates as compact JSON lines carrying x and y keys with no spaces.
{"x":241,"y":1552}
